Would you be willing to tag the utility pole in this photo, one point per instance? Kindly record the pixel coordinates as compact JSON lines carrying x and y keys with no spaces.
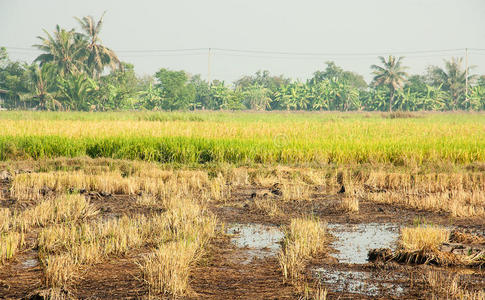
{"x":466,"y":77}
{"x":209,"y":67}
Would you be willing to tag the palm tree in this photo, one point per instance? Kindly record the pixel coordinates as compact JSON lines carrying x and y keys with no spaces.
{"x":452,"y":78}
{"x":64,"y":49}
{"x":391,"y":74}
{"x":41,"y":86}
{"x":77,"y":90}
{"x":99,"y":55}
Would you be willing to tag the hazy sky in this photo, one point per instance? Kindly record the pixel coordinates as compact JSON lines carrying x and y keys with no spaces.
{"x":350,"y":32}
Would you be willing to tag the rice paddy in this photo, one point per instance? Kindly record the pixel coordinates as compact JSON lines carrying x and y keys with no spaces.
{"x":149,"y":205}
{"x":248,"y":138}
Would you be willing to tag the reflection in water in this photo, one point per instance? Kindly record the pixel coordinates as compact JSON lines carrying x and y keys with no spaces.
{"x":258,"y":241}
{"x":366,"y":283}
{"x":30,"y":263}
{"x":355,"y":240}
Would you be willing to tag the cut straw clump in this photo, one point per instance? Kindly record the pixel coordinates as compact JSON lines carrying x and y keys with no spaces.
{"x":166,"y":270}
{"x":423,"y":237}
{"x":350,"y":204}
{"x":64,"y":208}
{"x":304,"y":238}
{"x":449,"y":287}
{"x":10,"y":242}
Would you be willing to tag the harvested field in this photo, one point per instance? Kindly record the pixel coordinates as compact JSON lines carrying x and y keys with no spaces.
{"x":83,"y":227}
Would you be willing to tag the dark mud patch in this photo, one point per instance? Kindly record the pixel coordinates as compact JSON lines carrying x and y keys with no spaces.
{"x":220,"y":276}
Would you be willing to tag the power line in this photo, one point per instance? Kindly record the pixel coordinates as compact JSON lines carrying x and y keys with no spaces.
{"x":285,"y":53}
{"x":336,"y":53}
{"x":162,"y":55}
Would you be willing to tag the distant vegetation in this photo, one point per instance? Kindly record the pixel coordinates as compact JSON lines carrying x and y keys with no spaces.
{"x":77,"y":72}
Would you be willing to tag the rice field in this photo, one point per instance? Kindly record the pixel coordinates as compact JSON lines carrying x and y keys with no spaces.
{"x":247,"y":138}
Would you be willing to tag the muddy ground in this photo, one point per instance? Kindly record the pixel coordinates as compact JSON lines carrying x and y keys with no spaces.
{"x":242,"y":263}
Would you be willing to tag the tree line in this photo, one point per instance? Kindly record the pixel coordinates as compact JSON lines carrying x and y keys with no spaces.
{"x":77,"y":72}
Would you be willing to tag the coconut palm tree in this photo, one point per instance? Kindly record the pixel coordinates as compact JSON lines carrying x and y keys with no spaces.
{"x":99,"y":55}
{"x":390,"y":74}
{"x":63,"y":49}
{"x":452,"y":78}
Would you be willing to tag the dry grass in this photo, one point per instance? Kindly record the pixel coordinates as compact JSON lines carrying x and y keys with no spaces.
{"x":64,"y":248}
{"x":350,"y":204}
{"x":177,"y":237}
{"x":267,"y":205}
{"x":295,"y":191}
{"x":34,"y":186}
{"x":448,"y":287}
{"x":304,"y":237}
{"x":456,"y":203}
{"x":5,"y":219}
{"x":317,"y":293}
{"x":64,"y":208}
{"x":59,"y":270}
{"x":166,"y":273}
{"x":423,"y":237}
{"x":9,"y":244}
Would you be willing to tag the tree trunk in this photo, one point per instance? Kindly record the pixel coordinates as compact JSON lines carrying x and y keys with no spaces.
{"x":391,"y":100}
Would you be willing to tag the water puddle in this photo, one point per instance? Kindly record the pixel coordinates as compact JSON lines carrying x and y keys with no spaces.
{"x":360,"y":282}
{"x":30,"y":263}
{"x":355,"y":240}
{"x":257,"y":240}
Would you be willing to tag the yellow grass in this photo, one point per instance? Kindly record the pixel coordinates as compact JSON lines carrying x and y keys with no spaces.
{"x":5,"y":219}
{"x":456,"y":203}
{"x":75,"y":245}
{"x":423,"y":237}
{"x":296,"y":191}
{"x":64,"y":208}
{"x":59,"y":270}
{"x":350,"y":204}
{"x":448,"y":287}
{"x":166,"y":270}
{"x":9,"y":244}
{"x":304,"y":238}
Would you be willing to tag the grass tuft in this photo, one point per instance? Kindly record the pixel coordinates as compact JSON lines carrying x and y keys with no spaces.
{"x":304,"y":238}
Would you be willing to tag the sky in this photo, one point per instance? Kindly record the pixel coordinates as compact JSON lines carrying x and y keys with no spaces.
{"x":294,"y":38}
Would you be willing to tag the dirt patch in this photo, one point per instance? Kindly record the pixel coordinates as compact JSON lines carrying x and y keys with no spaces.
{"x":220,"y":277}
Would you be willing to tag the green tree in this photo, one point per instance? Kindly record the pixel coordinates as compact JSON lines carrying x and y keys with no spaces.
{"x":334,"y":72}
{"x":477,"y":97}
{"x":390,"y":74}
{"x":320,"y":95}
{"x":202,"y":93}
{"x":98,"y":55}
{"x":257,"y":97}
{"x":118,"y":89}
{"x":264,"y":79}
{"x":452,"y":78}
{"x":13,"y":79}
{"x":77,"y":91}
{"x":41,"y":87}
{"x":176,"y":92}
{"x":150,"y":98}
{"x":65,"y":49}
